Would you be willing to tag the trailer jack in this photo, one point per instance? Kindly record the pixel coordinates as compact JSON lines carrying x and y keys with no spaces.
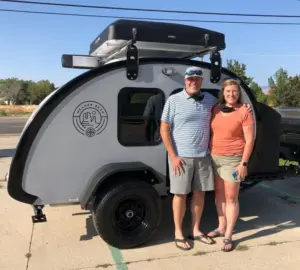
{"x":39,"y":215}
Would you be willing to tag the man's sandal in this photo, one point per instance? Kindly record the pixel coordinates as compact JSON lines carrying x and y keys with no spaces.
{"x":181,"y":241}
{"x":227,"y":242}
{"x":202,"y":238}
{"x":216,"y":233}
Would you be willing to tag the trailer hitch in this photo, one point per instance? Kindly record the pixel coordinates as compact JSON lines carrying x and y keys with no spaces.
{"x":39,"y":215}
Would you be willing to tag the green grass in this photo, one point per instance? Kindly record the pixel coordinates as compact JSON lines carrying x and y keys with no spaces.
{"x":28,"y":255}
{"x":200,"y":253}
{"x":242,"y":248}
{"x":273,"y":243}
{"x":285,"y":162}
{"x":3,"y":113}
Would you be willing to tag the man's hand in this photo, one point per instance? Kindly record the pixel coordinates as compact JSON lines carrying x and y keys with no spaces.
{"x":177,"y":165}
{"x":248,"y":106}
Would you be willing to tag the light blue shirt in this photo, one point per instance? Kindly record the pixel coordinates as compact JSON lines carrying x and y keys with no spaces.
{"x":190,"y":123}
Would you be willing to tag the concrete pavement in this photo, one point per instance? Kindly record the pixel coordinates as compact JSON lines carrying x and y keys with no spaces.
{"x":267,"y":234}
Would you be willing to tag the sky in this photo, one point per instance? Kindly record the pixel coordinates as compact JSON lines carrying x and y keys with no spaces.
{"x":31,"y":45}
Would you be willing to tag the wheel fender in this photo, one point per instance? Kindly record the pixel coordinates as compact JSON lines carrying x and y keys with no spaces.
{"x":108,"y":170}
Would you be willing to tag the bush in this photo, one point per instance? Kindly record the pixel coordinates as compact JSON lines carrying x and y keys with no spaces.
{"x":11,"y":110}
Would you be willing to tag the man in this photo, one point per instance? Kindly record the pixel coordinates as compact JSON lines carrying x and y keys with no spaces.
{"x":152,"y":113}
{"x":185,"y":131}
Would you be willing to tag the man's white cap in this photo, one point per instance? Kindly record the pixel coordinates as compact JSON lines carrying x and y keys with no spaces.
{"x":193,"y":72}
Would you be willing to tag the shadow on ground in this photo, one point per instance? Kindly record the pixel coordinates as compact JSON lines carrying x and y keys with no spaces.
{"x":4,"y":153}
{"x":260,"y":208}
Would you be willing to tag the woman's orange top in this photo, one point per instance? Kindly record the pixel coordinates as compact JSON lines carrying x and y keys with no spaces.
{"x":227,"y":137}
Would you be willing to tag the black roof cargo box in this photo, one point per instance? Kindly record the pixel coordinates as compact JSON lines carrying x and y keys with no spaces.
{"x":155,"y":39}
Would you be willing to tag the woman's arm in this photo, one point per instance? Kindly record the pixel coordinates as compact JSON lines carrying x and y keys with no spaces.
{"x":249,"y":138}
{"x":248,"y":130}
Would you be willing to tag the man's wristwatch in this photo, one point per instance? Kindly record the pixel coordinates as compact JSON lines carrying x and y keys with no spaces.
{"x":244,"y":164}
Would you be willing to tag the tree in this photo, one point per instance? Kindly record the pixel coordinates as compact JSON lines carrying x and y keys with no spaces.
{"x":239,"y":69}
{"x":9,"y":89}
{"x":42,"y":89}
{"x":21,"y":92}
{"x":277,"y":82}
{"x":290,"y":92}
{"x":23,"y":95}
{"x":258,"y":92}
{"x":271,"y":97}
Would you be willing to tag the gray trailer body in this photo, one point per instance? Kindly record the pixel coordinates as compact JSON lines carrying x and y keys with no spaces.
{"x":63,"y":158}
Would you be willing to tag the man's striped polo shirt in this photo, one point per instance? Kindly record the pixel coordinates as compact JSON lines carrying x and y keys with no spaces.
{"x":190,"y":123}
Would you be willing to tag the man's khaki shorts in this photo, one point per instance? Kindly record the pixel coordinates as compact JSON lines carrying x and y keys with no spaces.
{"x":226,"y":166}
{"x":197,"y":175}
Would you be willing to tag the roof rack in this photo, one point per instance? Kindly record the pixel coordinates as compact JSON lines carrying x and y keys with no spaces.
{"x":132,"y":40}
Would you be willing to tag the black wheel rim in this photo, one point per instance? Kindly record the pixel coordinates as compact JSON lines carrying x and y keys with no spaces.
{"x":129,"y":215}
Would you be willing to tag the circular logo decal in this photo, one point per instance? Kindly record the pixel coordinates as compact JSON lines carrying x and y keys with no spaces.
{"x":90,"y":118}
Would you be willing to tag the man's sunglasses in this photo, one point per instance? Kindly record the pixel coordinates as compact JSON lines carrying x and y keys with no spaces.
{"x":194,"y":73}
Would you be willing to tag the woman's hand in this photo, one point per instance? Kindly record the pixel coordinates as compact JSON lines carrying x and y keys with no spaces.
{"x":242,"y":172}
{"x":177,"y":165}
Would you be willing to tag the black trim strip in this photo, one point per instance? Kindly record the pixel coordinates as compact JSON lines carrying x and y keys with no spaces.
{"x":16,"y":171}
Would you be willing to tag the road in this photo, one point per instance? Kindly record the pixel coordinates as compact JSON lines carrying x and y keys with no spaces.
{"x":12,"y":125}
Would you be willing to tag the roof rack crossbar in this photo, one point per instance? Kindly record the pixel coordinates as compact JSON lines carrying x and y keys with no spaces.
{"x":90,"y":61}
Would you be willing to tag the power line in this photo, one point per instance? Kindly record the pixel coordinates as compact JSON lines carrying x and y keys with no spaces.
{"x":265,"y":54}
{"x":145,"y":18}
{"x":151,"y":10}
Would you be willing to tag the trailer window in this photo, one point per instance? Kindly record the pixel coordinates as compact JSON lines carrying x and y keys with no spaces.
{"x":139,"y":112}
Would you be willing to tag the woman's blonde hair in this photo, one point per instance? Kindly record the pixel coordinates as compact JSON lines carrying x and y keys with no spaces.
{"x":224,"y":85}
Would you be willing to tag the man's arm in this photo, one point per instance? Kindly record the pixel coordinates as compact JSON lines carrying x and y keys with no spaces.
{"x":166,"y":138}
{"x":166,"y":122}
{"x":167,"y":118}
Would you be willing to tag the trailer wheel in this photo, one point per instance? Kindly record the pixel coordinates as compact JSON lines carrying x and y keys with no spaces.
{"x":127,"y":215}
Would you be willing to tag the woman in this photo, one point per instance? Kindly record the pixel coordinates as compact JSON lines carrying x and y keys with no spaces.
{"x":231,"y":145}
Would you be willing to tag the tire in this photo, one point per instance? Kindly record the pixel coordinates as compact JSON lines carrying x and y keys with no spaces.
{"x":128,"y":214}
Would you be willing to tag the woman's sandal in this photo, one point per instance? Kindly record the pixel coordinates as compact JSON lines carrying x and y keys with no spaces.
{"x":227,"y":242}
{"x":200,"y":238}
{"x":181,"y":241}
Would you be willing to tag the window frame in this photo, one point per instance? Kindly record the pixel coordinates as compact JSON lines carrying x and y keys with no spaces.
{"x":132,"y":89}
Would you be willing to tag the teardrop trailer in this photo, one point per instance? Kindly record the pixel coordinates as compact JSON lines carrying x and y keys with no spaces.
{"x":94,"y":141}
